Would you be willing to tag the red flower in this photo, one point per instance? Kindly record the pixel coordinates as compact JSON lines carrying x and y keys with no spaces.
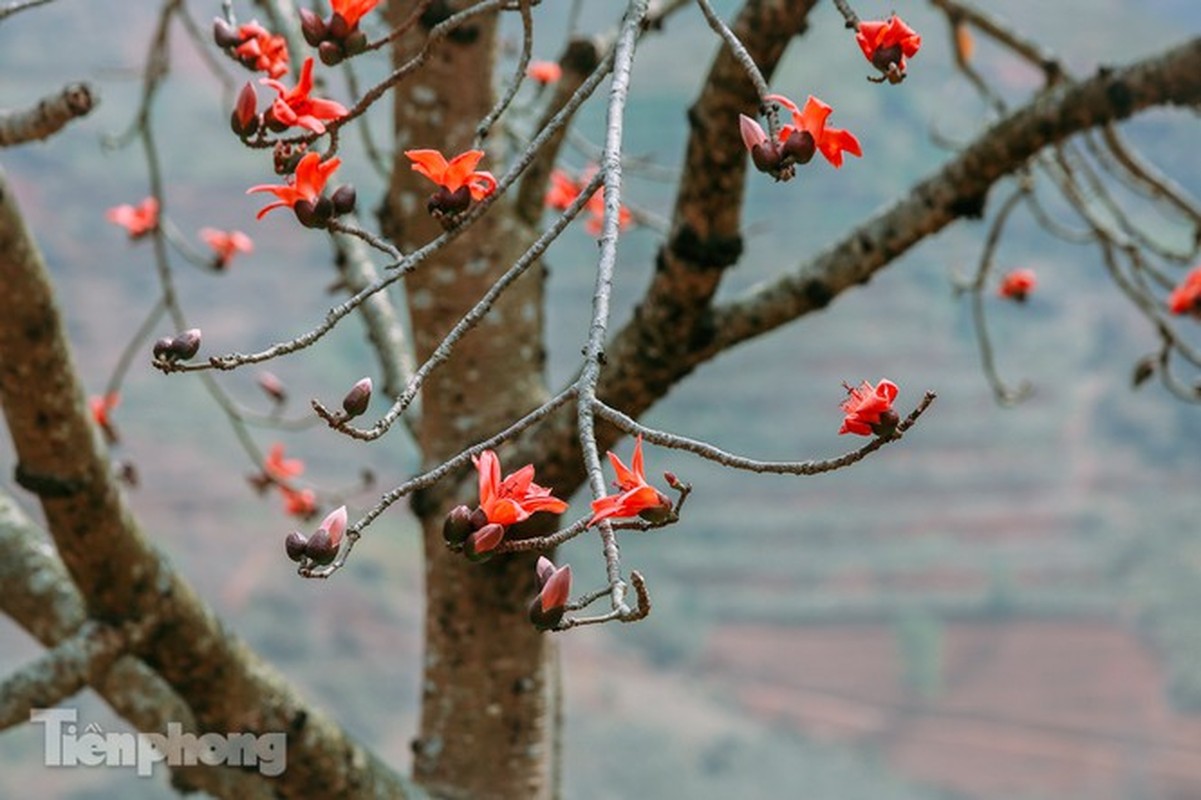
{"x":636,"y":497}
{"x":353,"y":10}
{"x":226,"y":244}
{"x":564,"y":190}
{"x":306,"y":185}
{"x":281,"y":469}
{"x":809,"y":131}
{"x":869,"y":411}
{"x":261,"y":51}
{"x":516,"y":497}
{"x":273,"y":387}
{"x":299,"y":502}
{"x":886,"y":45}
{"x":1186,"y":298}
{"x":100,"y":408}
{"x":1018,"y":283}
{"x":295,"y":106}
{"x":139,"y":220}
{"x":544,"y":72}
{"x":453,"y":175}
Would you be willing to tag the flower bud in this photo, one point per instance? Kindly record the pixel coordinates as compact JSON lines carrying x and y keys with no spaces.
{"x":478,"y":545}
{"x":161,"y":348}
{"x":1143,"y":370}
{"x":357,"y":399}
{"x":338,"y":27}
{"x":457,"y":526}
{"x":479,"y":518}
{"x":542,"y":619}
{"x":295,"y":545}
{"x":659,"y":513}
{"x":185,"y":345}
{"x":273,"y":387}
{"x":224,"y":34}
{"x":321,"y":548}
{"x":800,"y":147}
{"x":343,"y":199}
{"x":313,"y":27}
{"x":330,"y":53}
{"x":355,"y":43}
{"x":308,"y":212}
{"x":245,"y":119}
{"x":549,"y":606}
{"x":766,"y":157}
{"x":543,"y":570}
{"x":885,"y":58}
{"x":887,"y":425}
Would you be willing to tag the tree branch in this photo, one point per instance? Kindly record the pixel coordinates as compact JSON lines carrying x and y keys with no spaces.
{"x":48,"y":117}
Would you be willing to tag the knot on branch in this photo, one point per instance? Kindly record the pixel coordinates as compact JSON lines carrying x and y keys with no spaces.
{"x":45,"y":485}
{"x":714,"y":252}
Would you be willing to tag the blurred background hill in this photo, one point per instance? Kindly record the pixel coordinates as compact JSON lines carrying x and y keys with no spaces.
{"x":1005,"y":605}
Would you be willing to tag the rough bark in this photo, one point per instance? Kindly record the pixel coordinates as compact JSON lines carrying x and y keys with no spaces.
{"x":486,"y":707}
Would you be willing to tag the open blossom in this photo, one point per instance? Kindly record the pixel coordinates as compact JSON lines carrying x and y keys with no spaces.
{"x":869,"y":410}
{"x":299,"y":502}
{"x":458,"y":180}
{"x":515,"y":498}
{"x":564,"y":190}
{"x":808,"y":131}
{"x":1186,"y":297}
{"x":304,"y":187}
{"x":544,"y":72}
{"x":636,"y":497}
{"x":887,"y":45}
{"x":260,"y":50}
{"x":1017,"y":284}
{"x":138,"y":220}
{"x":226,"y":244}
{"x":281,"y":469}
{"x":353,"y":10}
{"x":296,"y":107}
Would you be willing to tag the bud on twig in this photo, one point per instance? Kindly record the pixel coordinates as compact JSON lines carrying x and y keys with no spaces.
{"x":457,"y":526}
{"x":478,"y":545}
{"x":295,"y":545}
{"x":181,"y":348}
{"x":357,"y":399}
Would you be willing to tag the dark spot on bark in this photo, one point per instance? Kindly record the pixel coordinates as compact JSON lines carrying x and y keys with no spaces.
{"x":524,"y":685}
{"x":298,"y":721}
{"x":715,"y":252}
{"x":45,"y":485}
{"x":464,"y":35}
{"x":866,"y":244}
{"x":581,"y":56}
{"x":437,"y":12}
{"x":971,"y":207}
{"x":818,"y":294}
{"x":694,"y":118}
{"x":702,"y":335}
{"x":1120,"y":97}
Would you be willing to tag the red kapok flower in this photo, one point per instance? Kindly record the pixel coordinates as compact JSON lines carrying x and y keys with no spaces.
{"x":138,"y":220}
{"x":516,"y":497}
{"x":306,"y":185}
{"x":1017,"y":284}
{"x":637,"y":498}
{"x":260,"y":50}
{"x":353,"y":10}
{"x":887,"y":44}
{"x":544,"y":72}
{"x":100,"y":407}
{"x":226,"y":244}
{"x":1186,"y":297}
{"x":596,"y":210}
{"x":299,"y":502}
{"x":295,"y":107}
{"x":563,"y":190}
{"x":869,"y":411}
{"x":279,"y":468}
{"x":454,"y":174}
{"x":808,"y":132}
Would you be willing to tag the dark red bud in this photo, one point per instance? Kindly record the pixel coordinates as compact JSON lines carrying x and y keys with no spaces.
{"x":321,"y":547}
{"x":338,"y":29}
{"x":765,"y":157}
{"x":343,"y":199}
{"x":295,"y":545}
{"x":1143,"y":370}
{"x":545,"y":620}
{"x":887,"y":424}
{"x":313,"y":27}
{"x":457,"y":526}
{"x":660,"y":513}
{"x":330,"y":53}
{"x":479,"y":518}
{"x":543,"y":570}
{"x":273,"y":124}
{"x":885,"y":57}
{"x":479,"y":545}
{"x":185,"y":345}
{"x":449,"y":203}
{"x":162,"y":349}
{"x":357,"y":399}
{"x":672,"y":480}
{"x":224,"y":34}
{"x":245,"y":120}
{"x":355,"y":43}
{"x":800,"y":147}
{"x":314,"y":213}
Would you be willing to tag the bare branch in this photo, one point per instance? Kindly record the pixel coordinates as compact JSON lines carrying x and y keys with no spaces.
{"x":48,"y":117}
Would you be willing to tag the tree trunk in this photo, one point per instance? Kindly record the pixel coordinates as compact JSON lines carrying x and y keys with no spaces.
{"x":487,"y":698}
